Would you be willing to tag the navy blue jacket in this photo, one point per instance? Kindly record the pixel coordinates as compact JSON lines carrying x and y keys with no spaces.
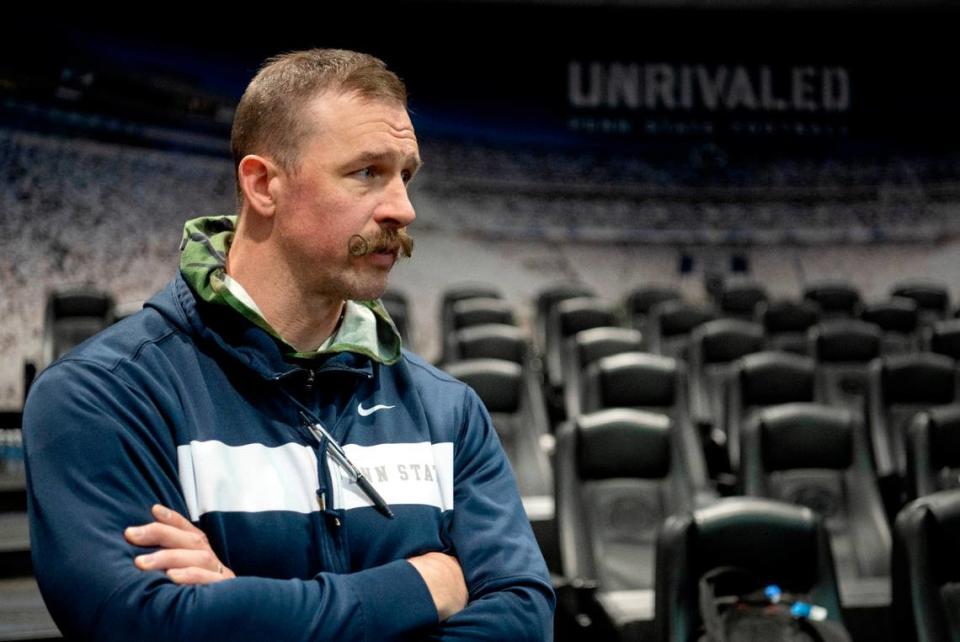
{"x":189,"y":405}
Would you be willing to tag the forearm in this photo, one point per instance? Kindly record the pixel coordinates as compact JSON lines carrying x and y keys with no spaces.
{"x":519,"y":609}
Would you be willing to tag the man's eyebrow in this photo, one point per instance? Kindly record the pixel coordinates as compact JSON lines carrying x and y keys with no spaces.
{"x":383,"y":157}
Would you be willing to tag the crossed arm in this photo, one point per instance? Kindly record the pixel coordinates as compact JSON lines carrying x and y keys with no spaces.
{"x":186,"y":556}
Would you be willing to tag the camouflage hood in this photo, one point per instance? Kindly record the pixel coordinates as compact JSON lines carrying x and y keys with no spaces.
{"x":366,"y":327}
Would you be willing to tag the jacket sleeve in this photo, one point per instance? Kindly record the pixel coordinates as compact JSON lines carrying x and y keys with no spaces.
{"x":98,"y":456}
{"x":511,"y":597}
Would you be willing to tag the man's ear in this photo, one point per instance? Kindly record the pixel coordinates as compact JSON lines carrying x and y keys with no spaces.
{"x":256,"y":176}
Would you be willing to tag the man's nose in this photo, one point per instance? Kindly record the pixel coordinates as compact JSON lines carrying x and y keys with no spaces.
{"x":396,"y":208}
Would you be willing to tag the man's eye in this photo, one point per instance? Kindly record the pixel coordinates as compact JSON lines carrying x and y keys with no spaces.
{"x":366,"y":172}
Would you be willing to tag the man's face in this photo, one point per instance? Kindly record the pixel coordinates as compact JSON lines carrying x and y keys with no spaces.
{"x":351,"y":180}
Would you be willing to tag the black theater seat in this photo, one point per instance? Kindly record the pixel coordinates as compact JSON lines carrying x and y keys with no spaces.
{"x":786,"y":322}
{"x":23,"y":615}
{"x":899,"y":320}
{"x":518,"y":415}
{"x":817,"y":456}
{"x":714,"y":346}
{"x":585,"y":348}
{"x":670,"y":323}
{"x":449,"y":298}
{"x":473,"y":312}
{"x":843,"y":350}
{"x":944,"y":338}
{"x":835,"y":298}
{"x":926,"y":569}
{"x":740,"y":299}
{"x":398,"y":307}
{"x":619,"y":475}
{"x":933,"y":299}
{"x":760,"y":380}
{"x":653,"y":383}
{"x":777,"y":543}
{"x":900,"y":387}
{"x":638,"y":303}
{"x":933,"y":451}
{"x":493,"y":341}
{"x":547,"y":299}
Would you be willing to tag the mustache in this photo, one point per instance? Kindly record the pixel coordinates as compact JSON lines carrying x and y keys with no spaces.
{"x":393,"y":241}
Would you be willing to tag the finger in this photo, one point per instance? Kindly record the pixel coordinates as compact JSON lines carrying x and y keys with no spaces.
{"x":194,"y":575}
{"x":171,"y":517}
{"x":157,"y":534}
{"x":177,"y":558}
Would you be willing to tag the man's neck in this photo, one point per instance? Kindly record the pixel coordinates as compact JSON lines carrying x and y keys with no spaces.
{"x":303,"y":319}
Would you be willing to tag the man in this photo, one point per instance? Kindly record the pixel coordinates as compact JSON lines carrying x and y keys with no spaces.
{"x":193,"y":471}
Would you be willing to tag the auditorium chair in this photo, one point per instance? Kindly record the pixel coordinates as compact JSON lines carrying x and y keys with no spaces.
{"x":943,"y":337}
{"x":453,"y":295}
{"x":586,"y":347}
{"x":899,"y":387}
{"x":649,"y":382}
{"x":619,"y":474}
{"x":516,"y":408}
{"x":638,"y":303}
{"x":398,"y":307}
{"x":786,"y":322}
{"x":567,"y":318}
{"x":71,"y":316}
{"x":777,"y":543}
{"x":899,"y":320}
{"x":818,"y":456}
{"x":933,"y":451}
{"x":933,"y":299}
{"x":843,"y":350}
{"x":491,"y":341}
{"x":836,"y":299}
{"x":740,"y":299}
{"x":759,"y":380}
{"x":549,"y":297}
{"x":926,"y":569}
{"x":670,"y":323}
{"x":473,"y":312}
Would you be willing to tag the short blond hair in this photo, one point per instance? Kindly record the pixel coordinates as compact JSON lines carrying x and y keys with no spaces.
{"x":268,"y":117}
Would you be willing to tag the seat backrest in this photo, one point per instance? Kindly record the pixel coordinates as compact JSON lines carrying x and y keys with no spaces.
{"x":899,"y":320}
{"x":776,"y":542}
{"x":617,"y":478}
{"x":73,"y":315}
{"x":567,"y":318}
{"x":759,"y":380}
{"x":491,"y":341}
{"x":670,"y":323}
{"x":512,"y":397}
{"x":398,"y":307}
{"x":740,"y":299}
{"x":926,"y":568}
{"x":933,"y":299}
{"x":481,"y":311}
{"x":843,"y":349}
{"x":632,"y":380}
{"x":817,"y":456}
{"x":549,"y":297}
{"x":639,"y":302}
{"x":933,"y":451}
{"x":899,"y":387}
{"x":714,"y":346}
{"x":453,"y":295}
{"x":836,"y":299}
{"x":786,"y":322}
{"x":586,"y":347}
{"x":944,"y":338}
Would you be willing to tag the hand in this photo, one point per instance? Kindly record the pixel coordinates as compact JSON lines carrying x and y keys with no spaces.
{"x":444,"y":579}
{"x":184,"y":554}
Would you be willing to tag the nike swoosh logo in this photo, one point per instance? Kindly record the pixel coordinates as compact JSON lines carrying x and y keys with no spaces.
{"x":366,"y":412}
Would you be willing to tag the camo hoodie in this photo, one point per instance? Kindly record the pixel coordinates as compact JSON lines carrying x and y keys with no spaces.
{"x":366,"y":327}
